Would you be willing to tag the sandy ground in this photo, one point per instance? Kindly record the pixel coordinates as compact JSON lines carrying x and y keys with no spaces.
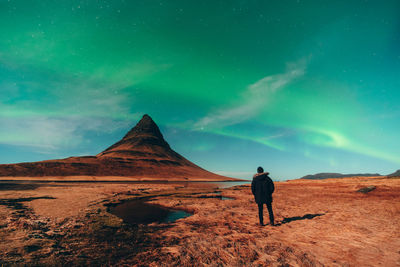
{"x":319,"y":223}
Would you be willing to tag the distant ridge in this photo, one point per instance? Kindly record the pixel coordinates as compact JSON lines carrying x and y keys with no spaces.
{"x":325,"y":175}
{"x":395,"y":174}
{"x":141,"y":153}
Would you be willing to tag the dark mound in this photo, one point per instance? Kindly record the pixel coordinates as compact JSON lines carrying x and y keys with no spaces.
{"x":366,"y":189}
{"x":395,"y":174}
{"x":324,"y":175}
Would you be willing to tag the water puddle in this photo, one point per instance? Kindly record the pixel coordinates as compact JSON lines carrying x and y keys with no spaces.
{"x":219,"y":195}
{"x":223,"y":185}
{"x":141,"y":212}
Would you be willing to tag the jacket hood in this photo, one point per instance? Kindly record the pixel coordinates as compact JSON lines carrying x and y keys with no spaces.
{"x":257,"y":175}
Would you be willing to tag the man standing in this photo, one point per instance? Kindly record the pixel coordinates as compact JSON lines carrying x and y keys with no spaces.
{"x":262,"y":188}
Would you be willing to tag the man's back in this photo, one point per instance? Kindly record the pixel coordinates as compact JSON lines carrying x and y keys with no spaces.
{"x":262,"y":188}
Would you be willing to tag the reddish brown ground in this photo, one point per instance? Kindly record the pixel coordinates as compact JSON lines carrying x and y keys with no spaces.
{"x":320,"y":223}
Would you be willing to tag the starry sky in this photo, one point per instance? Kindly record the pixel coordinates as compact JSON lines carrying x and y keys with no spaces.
{"x":297,"y":87}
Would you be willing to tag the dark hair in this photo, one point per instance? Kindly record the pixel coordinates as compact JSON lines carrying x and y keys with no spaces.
{"x":260,"y":170}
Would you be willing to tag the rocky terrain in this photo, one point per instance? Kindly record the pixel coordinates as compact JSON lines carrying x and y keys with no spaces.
{"x":335,"y":222}
{"x":142,"y":153}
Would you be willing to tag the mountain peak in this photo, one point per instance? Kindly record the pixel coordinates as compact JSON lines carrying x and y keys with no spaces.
{"x":146,"y":126}
{"x":142,"y":141}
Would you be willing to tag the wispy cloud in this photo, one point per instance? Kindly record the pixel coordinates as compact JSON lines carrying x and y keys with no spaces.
{"x":332,"y":138}
{"x":40,"y":132}
{"x":253,"y":99}
{"x":48,"y":134}
{"x":50,"y":111}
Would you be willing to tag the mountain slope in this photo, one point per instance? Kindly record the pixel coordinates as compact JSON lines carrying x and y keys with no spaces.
{"x":395,"y":174}
{"x":144,"y":142}
{"x":141,"y":153}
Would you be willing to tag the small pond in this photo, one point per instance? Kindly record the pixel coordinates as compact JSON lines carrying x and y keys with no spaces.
{"x":228,"y":184}
{"x":141,"y":212}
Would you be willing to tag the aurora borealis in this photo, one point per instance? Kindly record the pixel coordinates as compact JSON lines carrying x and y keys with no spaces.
{"x":298,"y":87}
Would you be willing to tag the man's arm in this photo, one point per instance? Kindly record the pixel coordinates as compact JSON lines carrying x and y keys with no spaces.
{"x":271,"y":185}
{"x":253,"y":187}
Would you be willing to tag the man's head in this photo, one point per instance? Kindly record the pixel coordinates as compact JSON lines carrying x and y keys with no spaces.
{"x":260,"y":170}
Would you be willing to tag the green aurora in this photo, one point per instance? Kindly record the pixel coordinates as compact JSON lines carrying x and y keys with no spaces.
{"x":295,"y":86}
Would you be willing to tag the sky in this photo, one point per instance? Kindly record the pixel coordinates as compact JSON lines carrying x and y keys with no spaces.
{"x":298,"y":87}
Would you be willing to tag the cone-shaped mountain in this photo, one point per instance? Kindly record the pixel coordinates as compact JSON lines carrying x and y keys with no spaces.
{"x":141,"y":153}
{"x":142,"y":141}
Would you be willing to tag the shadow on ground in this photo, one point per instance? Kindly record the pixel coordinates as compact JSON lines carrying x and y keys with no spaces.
{"x":30,"y":185}
{"x":16,"y":203}
{"x":298,"y":218}
{"x":18,"y":186}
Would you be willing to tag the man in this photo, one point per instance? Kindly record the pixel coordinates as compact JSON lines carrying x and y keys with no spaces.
{"x":262,"y":188}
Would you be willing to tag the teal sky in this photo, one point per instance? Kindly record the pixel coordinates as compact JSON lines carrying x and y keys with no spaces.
{"x":298,"y":87}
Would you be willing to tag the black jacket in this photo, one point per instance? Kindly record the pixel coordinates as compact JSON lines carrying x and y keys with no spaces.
{"x":262,"y":188}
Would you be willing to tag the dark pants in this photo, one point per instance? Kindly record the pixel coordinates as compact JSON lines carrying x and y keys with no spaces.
{"x":271,"y":213}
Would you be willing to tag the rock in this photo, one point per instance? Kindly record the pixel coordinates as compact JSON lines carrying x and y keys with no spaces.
{"x":366,"y":189}
{"x":31,"y":248}
{"x":174,"y":251}
{"x":36,"y":236}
